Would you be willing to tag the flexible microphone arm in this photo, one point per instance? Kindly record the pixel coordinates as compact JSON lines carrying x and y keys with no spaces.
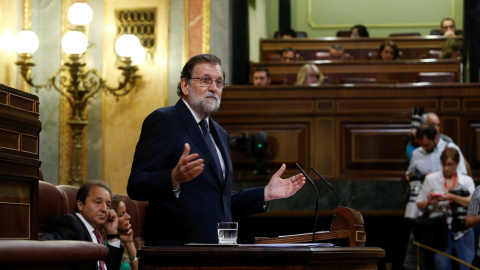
{"x":316,"y":205}
{"x":315,"y":171}
{"x":321,"y":177}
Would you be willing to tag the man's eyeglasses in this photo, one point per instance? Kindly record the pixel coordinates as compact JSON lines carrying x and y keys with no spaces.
{"x":206,"y":81}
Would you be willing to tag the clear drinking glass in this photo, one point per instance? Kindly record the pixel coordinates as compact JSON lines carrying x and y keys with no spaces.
{"x":227,"y":233}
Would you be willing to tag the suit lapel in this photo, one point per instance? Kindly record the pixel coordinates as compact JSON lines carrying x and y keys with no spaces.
{"x":193,"y":130}
{"x":86,"y":236}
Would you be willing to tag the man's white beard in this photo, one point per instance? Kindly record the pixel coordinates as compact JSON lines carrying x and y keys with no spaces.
{"x":202,"y":104}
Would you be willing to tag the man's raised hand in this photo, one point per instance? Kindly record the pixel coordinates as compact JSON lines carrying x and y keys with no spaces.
{"x":188,"y":167}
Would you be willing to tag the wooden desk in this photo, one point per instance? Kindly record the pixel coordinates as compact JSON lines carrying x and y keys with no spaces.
{"x":347,"y":132}
{"x":19,"y":163}
{"x":411,"y":47}
{"x":401,"y":71}
{"x":256,"y":257}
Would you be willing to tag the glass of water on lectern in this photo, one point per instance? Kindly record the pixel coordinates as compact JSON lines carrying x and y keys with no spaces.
{"x":227,"y":233}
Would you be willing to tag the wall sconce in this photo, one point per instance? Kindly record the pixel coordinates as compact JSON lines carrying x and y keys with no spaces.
{"x":73,"y":81}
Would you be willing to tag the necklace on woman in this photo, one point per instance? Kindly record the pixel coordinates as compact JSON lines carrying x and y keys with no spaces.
{"x":454,"y":182}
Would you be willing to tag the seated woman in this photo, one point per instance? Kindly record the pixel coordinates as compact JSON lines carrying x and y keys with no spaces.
{"x":358,"y":31}
{"x":388,"y":51}
{"x":452,"y":49}
{"x":129,"y":259}
{"x":445,"y":192}
{"x":309,"y":74}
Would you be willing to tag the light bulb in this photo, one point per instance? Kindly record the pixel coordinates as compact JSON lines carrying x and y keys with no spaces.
{"x":126,"y":45}
{"x":26,"y":41}
{"x":74,"y":42}
{"x":80,"y":14}
{"x":139,"y":57}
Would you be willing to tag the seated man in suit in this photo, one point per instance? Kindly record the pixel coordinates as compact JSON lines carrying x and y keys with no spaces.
{"x":183,"y":168}
{"x":92,"y":214}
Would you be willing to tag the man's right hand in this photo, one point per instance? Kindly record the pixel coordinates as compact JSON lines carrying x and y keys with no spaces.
{"x":188,"y":167}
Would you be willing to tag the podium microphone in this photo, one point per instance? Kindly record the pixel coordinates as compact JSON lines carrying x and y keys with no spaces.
{"x":336,"y":195}
{"x":316,"y":205}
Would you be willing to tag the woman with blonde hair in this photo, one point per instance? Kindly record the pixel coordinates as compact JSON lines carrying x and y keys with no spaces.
{"x":452,"y":49}
{"x":309,"y":74}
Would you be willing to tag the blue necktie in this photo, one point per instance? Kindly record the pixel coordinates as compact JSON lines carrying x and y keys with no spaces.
{"x":211,"y":146}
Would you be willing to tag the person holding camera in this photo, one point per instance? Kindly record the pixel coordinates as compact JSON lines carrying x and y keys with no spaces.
{"x":425,"y":160}
{"x":448,"y":192}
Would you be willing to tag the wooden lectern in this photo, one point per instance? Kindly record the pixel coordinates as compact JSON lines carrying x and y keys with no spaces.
{"x":348,"y":223}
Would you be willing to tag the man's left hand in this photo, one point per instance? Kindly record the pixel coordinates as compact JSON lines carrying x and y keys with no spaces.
{"x":111,"y":225}
{"x":279,"y":188}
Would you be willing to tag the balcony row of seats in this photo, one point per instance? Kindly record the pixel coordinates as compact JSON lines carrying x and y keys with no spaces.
{"x":371,"y":55}
{"x":422,"y":77}
{"x":346,"y":33}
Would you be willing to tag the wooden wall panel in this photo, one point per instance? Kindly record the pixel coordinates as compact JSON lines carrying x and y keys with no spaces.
{"x":287,"y":143}
{"x":272,"y":106}
{"x":350,"y":132}
{"x":9,"y":139}
{"x":474,"y":142}
{"x":472,"y":104}
{"x":384,"y":105}
{"x":368,"y":147}
{"x":323,"y":150}
{"x":450,"y":105}
{"x":19,"y":164}
{"x":451,"y":127}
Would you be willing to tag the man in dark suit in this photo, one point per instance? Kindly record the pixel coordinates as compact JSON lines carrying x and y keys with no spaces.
{"x":92,"y":213}
{"x":183,"y":168}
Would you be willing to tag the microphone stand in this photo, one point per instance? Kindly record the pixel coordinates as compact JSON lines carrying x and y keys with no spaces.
{"x":336,"y":195}
{"x":316,"y":205}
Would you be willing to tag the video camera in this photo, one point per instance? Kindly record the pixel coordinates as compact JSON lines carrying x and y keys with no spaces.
{"x":255,"y":145}
{"x":458,"y":211}
{"x":416,"y":180}
{"x":416,"y":175}
{"x":415,"y":124}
